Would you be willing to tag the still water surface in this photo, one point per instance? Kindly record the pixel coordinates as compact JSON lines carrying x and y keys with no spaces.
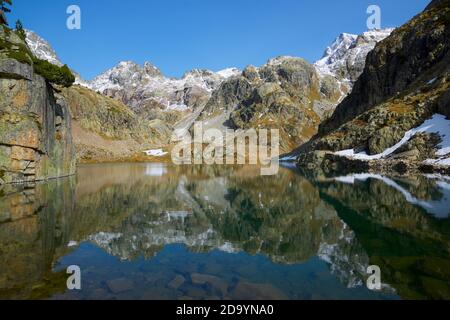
{"x":156,"y":231}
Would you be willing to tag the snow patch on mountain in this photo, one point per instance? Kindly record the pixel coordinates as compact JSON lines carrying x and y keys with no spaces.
{"x":438,"y":124}
{"x":41,"y":48}
{"x":228,"y":73}
{"x":147,"y":83}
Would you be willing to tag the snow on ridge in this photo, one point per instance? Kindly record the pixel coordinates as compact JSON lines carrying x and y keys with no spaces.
{"x":335,"y":52}
{"x":438,"y":124}
{"x":149,"y":83}
{"x":280,"y":60}
{"x":41,"y":48}
{"x":348,"y":50}
{"x":228,"y":73}
{"x":378,"y":34}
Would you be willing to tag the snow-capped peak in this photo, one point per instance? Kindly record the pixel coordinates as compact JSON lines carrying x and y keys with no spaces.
{"x":44,"y":51}
{"x":338,"y":49}
{"x":280,"y":60}
{"x":41,"y":48}
{"x":141,"y":85}
{"x":345,"y":58}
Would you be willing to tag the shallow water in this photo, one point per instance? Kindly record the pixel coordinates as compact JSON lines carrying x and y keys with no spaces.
{"x":156,"y":231}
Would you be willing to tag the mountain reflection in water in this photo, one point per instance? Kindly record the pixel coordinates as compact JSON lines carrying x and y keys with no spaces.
{"x":156,"y":231}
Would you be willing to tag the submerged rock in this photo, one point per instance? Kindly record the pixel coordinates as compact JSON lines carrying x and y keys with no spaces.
{"x":120,"y":285}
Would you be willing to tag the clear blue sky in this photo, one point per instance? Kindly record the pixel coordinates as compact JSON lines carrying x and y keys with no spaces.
{"x":179,"y":35}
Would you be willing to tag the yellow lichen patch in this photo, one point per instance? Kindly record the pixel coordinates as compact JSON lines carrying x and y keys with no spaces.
{"x":399,"y":108}
{"x":308,"y":132}
{"x":337,"y":135}
{"x":29,"y":139}
{"x":359,"y":123}
{"x":19,"y":153}
{"x":20,"y":99}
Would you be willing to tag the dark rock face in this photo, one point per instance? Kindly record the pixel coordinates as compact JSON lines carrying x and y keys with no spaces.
{"x":228,"y":95}
{"x":405,"y":82}
{"x":35,"y":131}
{"x":417,"y":51}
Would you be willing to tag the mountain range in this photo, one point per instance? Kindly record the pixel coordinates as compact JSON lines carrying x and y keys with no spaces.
{"x":287,"y":93}
{"x":362,"y":106}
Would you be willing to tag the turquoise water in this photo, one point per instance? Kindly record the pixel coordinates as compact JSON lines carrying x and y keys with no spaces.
{"x":156,"y":231}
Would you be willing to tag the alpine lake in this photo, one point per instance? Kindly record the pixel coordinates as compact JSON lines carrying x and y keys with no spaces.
{"x":160,"y":231}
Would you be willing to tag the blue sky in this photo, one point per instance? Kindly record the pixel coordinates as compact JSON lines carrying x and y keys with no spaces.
{"x":180,"y":35}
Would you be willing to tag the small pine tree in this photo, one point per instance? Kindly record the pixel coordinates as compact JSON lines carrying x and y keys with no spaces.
{"x":20,"y":30}
{"x":4,"y":9}
{"x":4,"y":4}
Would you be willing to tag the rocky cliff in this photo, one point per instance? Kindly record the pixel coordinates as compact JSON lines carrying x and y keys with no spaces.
{"x":404,"y":83}
{"x":35,"y":130}
{"x":413,"y":54}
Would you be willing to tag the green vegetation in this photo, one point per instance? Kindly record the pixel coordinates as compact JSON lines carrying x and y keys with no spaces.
{"x":4,"y":5}
{"x":54,"y":74}
{"x":4,"y":9}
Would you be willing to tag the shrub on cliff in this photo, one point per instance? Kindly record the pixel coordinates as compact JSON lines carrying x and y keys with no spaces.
{"x":54,"y":74}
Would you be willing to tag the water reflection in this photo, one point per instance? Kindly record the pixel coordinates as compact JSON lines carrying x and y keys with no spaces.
{"x":154,"y":231}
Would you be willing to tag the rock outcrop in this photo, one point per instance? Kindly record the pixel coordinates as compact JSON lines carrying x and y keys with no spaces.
{"x":35,"y":131}
{"x":105,"y":129}
{"x":413,"y":54}
{"x":406,"y":80}
{"x":286,"y":94}
{"x":345,"y":59}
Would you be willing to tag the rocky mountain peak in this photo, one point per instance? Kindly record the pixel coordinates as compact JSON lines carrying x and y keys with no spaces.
{"x":338,"y":48}
{"x":152,"y":70}
{"x":229,"y":72}
{"x":41,"y":48}
{"x":198,"y":73}
{"x":345,"y":58}
{"x":280,"y":60}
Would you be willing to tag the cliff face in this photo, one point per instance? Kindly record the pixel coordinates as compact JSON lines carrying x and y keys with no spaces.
{"x":415,"y":53}
{"x":405,"y":82}
{"x":35,"y":131}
